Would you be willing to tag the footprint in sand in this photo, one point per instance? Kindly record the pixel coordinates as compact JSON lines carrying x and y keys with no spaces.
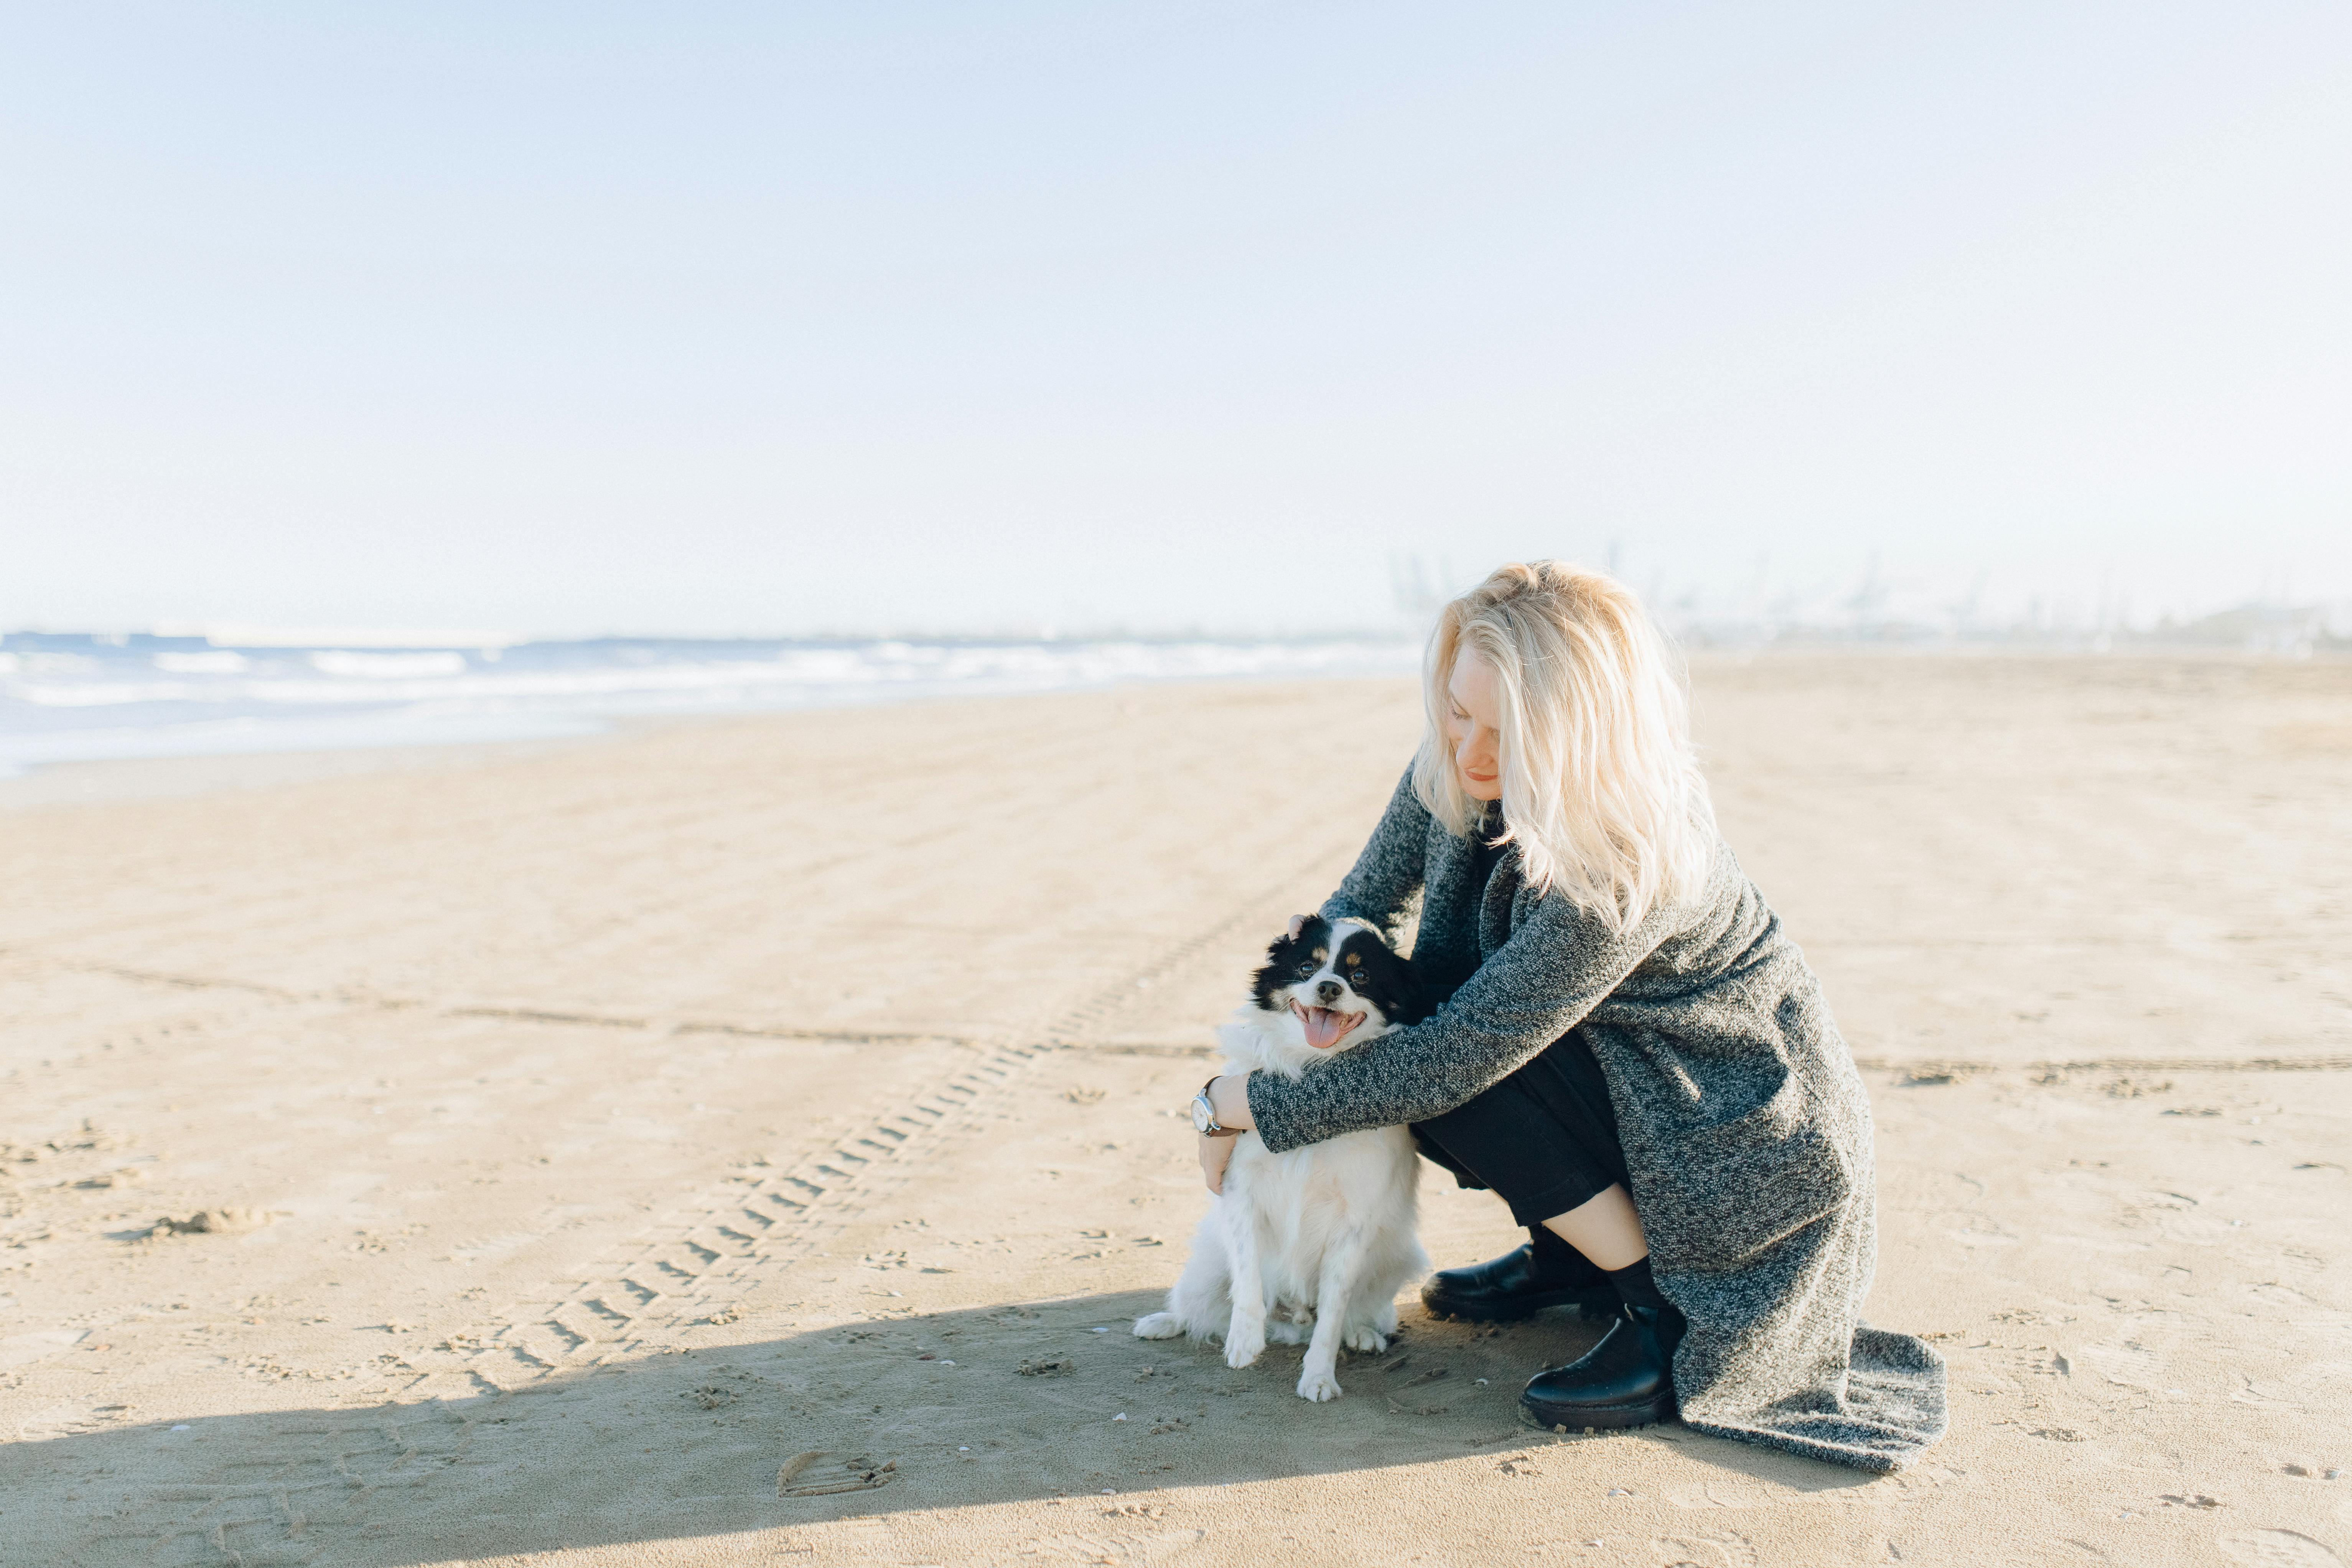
{"x":1716,"y":1549}
{"x":2280,"y":1295}
{"x":2128,"y":1365}
{"x":2279,"y":1549}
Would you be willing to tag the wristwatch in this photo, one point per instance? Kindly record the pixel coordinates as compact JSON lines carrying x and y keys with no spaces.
{"x":1204,"y":1116}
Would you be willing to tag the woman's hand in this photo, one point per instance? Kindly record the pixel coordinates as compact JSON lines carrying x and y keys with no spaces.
{"x":1229,"y":1099}
{"x":1215,"y":1154}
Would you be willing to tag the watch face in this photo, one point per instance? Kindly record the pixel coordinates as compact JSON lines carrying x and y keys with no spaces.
{"x":1203,"y":1118}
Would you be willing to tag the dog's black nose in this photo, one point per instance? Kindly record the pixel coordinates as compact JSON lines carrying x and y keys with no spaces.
{"x":1327,"y":993}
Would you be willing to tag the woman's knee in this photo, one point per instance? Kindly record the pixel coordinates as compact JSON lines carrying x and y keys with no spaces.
{"x":1437,"y":1155}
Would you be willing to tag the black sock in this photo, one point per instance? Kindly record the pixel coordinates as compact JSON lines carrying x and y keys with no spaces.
{"x":1560,"y":1261}
{"x":1635,"y":1288}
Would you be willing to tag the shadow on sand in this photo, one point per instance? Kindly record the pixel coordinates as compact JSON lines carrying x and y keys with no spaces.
{"x":1009,"y":1403}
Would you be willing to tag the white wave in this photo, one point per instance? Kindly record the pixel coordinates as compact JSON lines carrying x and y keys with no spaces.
{"x":386,"y":666}
{"x":215,"y":661}
{"x":105,"y":693}
{"x":262,"y":699}
{"x":376,"y":679}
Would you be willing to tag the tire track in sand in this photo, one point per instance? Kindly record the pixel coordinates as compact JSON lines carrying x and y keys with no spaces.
{"x":729,"y":1238}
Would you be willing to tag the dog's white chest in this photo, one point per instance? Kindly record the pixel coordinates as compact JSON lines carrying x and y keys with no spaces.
{"x":1355,"y":1176}
{"x":1300,"y":1201}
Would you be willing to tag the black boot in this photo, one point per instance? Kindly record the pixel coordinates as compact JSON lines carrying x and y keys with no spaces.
{"x":1626,"y":1380}
{"x":1547,"y":1272}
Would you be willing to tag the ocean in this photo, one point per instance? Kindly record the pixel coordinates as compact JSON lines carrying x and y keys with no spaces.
{"x":83,"y":697}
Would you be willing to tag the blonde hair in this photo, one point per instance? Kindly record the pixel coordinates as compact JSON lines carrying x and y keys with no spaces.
{"x":1602,"y":789}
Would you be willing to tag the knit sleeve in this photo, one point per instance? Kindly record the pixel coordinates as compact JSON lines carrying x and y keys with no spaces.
{"x":1555,"y":968}
{"x":1388,"y":875}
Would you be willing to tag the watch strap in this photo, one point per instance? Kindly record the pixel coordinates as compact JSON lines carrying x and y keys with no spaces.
{"x":1213,"y":1129}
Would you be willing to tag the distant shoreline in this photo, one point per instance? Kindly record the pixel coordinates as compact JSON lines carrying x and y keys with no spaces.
{"x":294,"y":751}
{"x":86,"y":697}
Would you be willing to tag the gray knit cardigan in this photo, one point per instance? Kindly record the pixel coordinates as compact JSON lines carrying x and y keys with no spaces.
{"x":1744,"y":1127}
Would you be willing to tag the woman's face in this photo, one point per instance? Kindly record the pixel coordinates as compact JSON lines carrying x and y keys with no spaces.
{"x":1470,"y":726}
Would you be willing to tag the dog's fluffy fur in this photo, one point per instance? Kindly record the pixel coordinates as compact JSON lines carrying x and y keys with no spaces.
{"x":1321,"y":1235}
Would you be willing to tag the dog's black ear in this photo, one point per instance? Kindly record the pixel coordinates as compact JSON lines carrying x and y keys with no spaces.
{"x":1415,"y":1001}
{"x":1395,"y":984}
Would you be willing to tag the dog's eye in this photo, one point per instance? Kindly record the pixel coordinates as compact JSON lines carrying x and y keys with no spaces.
{"x":1305,"y":970}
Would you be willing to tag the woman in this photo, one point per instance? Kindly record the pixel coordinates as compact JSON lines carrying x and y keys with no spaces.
{"x":1628,"y":1050}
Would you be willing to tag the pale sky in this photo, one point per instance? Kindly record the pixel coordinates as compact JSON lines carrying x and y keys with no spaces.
{"x":713,"y":318}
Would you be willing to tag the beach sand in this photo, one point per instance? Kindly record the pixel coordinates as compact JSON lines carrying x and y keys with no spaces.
{"x":748,"y":1142}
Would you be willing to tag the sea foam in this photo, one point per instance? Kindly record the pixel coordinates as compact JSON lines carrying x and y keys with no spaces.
{"x":69,"y":696}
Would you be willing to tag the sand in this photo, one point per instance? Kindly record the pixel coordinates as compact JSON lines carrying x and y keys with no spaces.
{"x":750,"y":1141}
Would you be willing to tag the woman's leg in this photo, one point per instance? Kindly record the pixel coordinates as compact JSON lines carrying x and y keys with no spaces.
{"x":1546,"y":1139}
{"x":1605,"y":1229}
{"x":1546,"y":1272}
{"x":1545,"y":1142}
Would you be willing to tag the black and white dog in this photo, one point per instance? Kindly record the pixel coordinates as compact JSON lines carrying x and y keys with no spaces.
{"x":1323,"y":1235}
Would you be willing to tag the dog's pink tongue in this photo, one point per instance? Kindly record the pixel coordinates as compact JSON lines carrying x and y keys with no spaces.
{"x":1324,"y":1028}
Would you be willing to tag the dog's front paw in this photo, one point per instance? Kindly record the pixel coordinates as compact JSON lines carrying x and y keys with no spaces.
{"x":1158,"y":1326}
{"x":1362,"y":1337}
{"x":1243,"y":1346}
{"x":1317,"y":1384}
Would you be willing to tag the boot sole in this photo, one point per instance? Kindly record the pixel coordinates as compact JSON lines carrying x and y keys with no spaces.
{"x":1606,"y":1417}
{"x":1602,"y":1304}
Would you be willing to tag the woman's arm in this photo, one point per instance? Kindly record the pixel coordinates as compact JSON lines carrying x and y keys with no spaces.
{"x":1388,"y":875}
{"x":1555,"y":969}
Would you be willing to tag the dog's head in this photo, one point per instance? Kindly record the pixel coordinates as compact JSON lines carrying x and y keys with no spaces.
{"x":1335,"y":987}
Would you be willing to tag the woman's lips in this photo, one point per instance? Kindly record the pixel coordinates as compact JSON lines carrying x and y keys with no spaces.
{"x":1325,"y":1027}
